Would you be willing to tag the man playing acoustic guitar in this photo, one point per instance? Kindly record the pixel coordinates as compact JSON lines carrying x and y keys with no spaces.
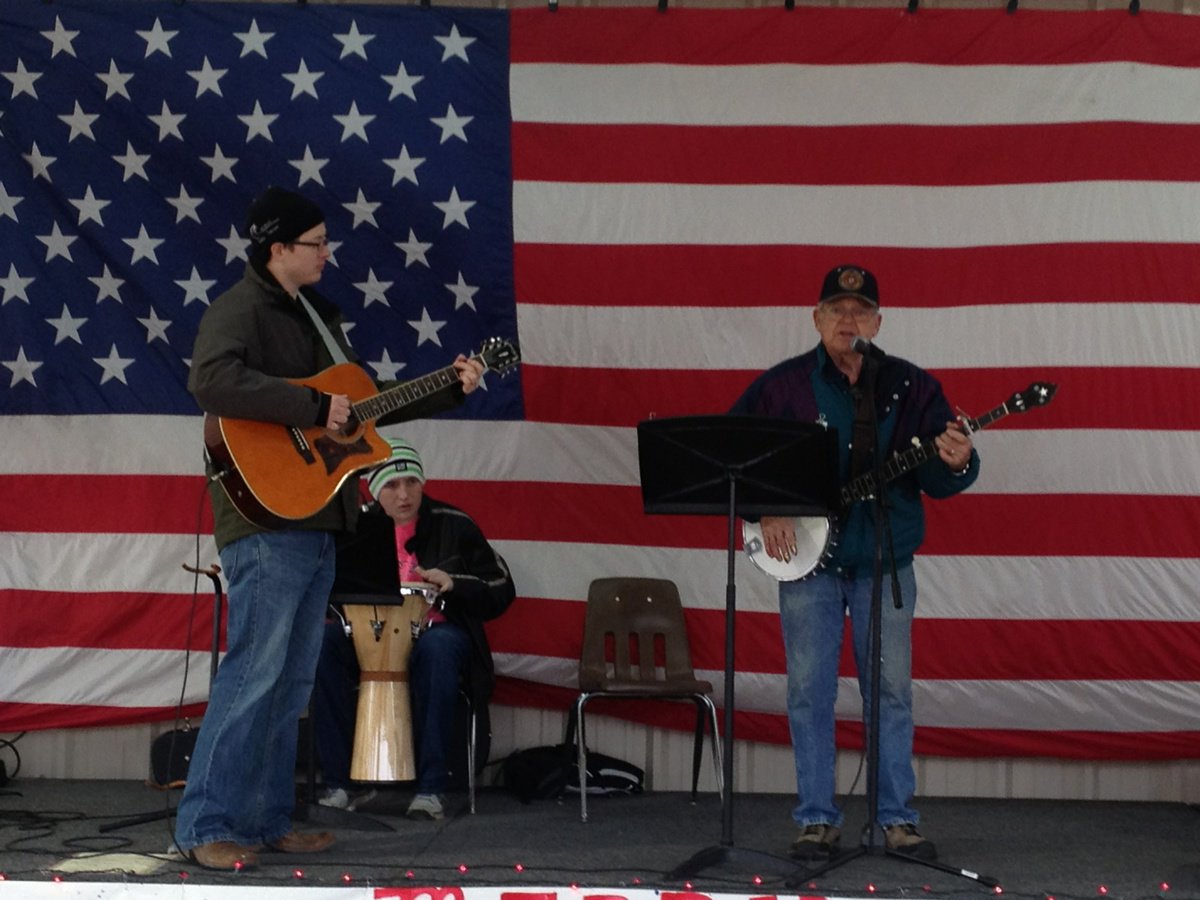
{"x":843,"y":384}
{"x":254,"y":343}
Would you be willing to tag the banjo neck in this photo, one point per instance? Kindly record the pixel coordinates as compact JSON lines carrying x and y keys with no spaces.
{"x":865,"y":486}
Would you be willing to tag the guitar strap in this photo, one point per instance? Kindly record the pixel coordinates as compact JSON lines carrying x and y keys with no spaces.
{"x":335,"y":349}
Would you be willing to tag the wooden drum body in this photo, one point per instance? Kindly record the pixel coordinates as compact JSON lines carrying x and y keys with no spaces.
{"x":383,"y":635}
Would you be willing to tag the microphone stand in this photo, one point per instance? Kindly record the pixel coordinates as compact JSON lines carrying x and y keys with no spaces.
{"x":883,"y":534}
{"x":305,"y":812}
{"x":214,"y":574}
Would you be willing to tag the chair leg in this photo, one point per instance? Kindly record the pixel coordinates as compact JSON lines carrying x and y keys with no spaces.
{"x":718,"y":762}
{"x":471,"y":735}
{"x":697,"y":744}
{"x":569,"y":735}
{"x":581,"y":755}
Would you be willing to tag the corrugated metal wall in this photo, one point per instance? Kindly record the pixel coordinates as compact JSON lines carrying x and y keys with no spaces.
{"x":124,"y":753}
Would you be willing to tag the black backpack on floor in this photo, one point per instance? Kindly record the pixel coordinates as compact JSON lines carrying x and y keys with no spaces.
{"x":541,"y":773}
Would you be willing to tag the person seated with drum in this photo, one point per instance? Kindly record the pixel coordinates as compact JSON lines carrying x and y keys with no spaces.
{"x":425,"y":541}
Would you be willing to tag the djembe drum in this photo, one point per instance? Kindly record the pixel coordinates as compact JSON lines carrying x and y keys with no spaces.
{"x":383,"y":632}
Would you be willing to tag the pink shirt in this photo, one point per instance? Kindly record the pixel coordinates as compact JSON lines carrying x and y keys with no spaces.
{"x":408,"y":564}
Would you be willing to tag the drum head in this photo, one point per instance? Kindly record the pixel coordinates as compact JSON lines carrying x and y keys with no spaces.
{"x":423,"y":589}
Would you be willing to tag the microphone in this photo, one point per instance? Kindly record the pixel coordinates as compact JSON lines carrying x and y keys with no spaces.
{"x":867,"y":349}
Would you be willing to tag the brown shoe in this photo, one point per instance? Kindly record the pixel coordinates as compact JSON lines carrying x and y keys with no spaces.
{"x":303,"y":842}
{"x":816,"y":842}
{"x":223,"y":855}
{"x":904,"y":838}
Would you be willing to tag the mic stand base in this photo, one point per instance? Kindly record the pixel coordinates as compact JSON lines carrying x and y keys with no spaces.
{"x":142,"y":819}
{"x":332,"y":817}
{"x":851,"y":855}
{"x":754,"y":861}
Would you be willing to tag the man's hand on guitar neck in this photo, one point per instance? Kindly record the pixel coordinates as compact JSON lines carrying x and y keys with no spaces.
{"x":779,"y":537}
{"x":469,"y":372}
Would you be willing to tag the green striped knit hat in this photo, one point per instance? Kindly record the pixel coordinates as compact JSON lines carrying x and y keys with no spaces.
{"x":404,"y":462}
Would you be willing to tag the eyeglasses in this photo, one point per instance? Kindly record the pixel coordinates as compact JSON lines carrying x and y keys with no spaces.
{"x":854,"y":310}
{"x":319,"y":244}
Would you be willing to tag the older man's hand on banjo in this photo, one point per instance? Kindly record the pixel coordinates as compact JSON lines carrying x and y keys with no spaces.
{"x":954,"y":446}
{"x":779,"y":537}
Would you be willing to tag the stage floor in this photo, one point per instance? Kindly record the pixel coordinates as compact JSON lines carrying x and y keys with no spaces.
{"x":1033,"y":849}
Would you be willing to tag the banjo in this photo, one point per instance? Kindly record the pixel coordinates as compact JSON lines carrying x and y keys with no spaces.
{"x":814,"y":534}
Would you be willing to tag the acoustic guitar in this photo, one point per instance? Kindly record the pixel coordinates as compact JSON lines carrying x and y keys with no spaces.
{"x":814,"y":534}
{"x":276,"y":474}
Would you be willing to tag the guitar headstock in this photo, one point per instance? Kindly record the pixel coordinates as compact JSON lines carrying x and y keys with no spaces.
{"x":1037,"y":394}
{"x":498,"y":354}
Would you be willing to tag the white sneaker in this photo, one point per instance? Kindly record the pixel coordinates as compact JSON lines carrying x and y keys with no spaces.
{"x":425,"y":806}
{"x":361,"y":798}
{"x":338,"y":798}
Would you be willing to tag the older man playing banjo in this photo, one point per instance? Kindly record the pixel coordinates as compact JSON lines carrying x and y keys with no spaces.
{"x":870,"y":398}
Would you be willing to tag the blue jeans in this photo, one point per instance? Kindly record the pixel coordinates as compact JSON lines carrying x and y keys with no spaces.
{"x":241,"y":779}
{"x":335,"y":706}
{"x":438,"y":661}
{"x":813,"y":617}
{"x":435,"y":669}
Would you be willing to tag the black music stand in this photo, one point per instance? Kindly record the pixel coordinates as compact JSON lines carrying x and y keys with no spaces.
{"x":735,"y":465}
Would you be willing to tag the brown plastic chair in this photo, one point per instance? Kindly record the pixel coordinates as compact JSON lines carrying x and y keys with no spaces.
{"x":631,"y":621}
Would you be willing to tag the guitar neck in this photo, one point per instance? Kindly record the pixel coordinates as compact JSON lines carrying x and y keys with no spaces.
{"x":394,"y":398}
{"x":867,"y":484}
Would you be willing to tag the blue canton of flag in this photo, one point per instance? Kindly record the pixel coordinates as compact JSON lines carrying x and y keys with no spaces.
{"x":133,"y":137}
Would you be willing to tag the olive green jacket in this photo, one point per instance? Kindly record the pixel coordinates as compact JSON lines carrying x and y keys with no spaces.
{"x":251,"y":341}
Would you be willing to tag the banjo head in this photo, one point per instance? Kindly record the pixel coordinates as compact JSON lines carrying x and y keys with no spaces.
{"x":812,"y":540}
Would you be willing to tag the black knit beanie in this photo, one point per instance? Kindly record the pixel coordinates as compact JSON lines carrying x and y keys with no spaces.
{"x":279,"y":216}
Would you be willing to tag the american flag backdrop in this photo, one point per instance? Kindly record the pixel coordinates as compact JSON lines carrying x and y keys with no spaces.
{"x":646,"y":203}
